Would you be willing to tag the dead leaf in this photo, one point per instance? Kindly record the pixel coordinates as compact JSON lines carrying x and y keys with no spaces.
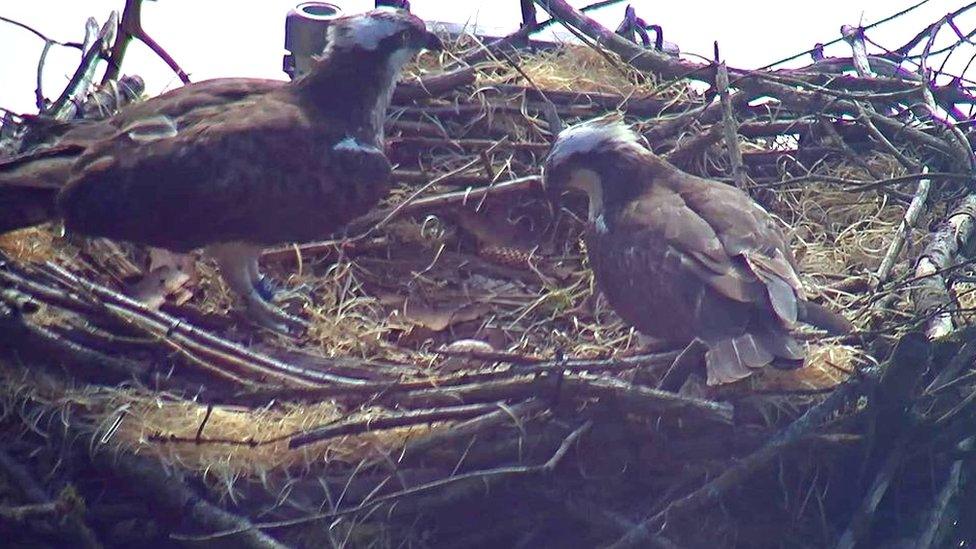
{"x":438,"y":318}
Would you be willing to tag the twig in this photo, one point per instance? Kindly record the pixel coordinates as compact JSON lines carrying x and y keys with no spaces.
{"x":729,"y":124}
{"x":415,"y":449}
{"x":828,"y":127}
{"x":20,"y":513}
{"x":648,"y":402}
{"x":863,"y":117}
{"x":169,"y":490}
{"x":399,"y":208}
{"x":861,"y":521}
{"x":39,"y":34}
{"x":191,"y":340}
{"x":203,"y":423}
{"x":682,"y":367}
{"x":686,"y":150}
{"x":63,"y":107}
{"x":714,"y":489}
{"x":642,"y":58}
{"x":40,"y":100}
{"x":854,"y":36}
{"x":907,"y":223}
{"x":929,"y":535}
{"x":389,"y":421}
{"x":604,"y":364}
{"x":552,"y":116}
{"x":483,"y":476}
{"x":836,"y":40}
{"x":65,"y":506}
{"x":752,"y":82}
{"x":131,"y":27}
{"x":493,"y":356}
{"x":456,"y":198}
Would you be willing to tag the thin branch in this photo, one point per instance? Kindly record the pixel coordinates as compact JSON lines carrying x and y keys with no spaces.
{"x":905,"y":226}
{"x":389,"y":421}
{"x":39,"y":34}
{"x":482,"y":476}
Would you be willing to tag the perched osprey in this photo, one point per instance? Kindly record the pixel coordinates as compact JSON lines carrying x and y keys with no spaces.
{"x":232,"y":165}
{"x":684,"y":258}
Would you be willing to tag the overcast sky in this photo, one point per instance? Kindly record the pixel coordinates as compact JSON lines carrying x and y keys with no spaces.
{"x":214,"y":38}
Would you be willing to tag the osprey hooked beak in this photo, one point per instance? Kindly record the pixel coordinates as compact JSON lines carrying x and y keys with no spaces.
{"x":576,"y":154}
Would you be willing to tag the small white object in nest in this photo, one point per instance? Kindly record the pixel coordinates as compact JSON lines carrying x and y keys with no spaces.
{"x":457,"y":363}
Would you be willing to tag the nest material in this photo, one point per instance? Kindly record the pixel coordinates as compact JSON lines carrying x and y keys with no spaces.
{"x":512,"y":275}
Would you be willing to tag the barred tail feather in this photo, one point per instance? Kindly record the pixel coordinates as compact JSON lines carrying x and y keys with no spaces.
{"x":732,"y":359}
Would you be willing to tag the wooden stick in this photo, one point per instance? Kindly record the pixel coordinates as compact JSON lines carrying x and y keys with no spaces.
{"x":930,"y":293}
{"x":389,"y":421}
{"x":861,"y":522}
{"x":74,"y":526}
{"x":950,"y":489}
{"x":483,"y":476}
{"x":905,"y":226}
{"x":729,"y":125}
{"x":745,"y":468}
{"x":854,"y":36}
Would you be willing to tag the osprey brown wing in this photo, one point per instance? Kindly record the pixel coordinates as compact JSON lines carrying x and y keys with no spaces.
{"x":254,"y":173}
{"x":750,"y":238}
{"x":668,"y":270}
{"x":30,"y":182}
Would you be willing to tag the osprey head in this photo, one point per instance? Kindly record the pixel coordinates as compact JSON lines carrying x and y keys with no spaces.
{"x":584,"y":156}
{"x":394,"y":32}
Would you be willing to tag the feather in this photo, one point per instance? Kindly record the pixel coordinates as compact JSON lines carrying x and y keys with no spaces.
{"x":151,"y":129}
{"x":723,"y":364}
{"x":783,"y":300}
{"x":781,"y":344}
{"x":752,"y":354}
{"x":782,"y":295}
{"x":728,"y":281}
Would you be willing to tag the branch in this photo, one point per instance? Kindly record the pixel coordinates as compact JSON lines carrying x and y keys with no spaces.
{"x":937,"y":515}
{"x":930,"y":293}
{"x":131,"y":27}
{"x":861,"y":522}
{"x":389,"y":421}
{"x":907,"y":223}
{"x":729,"y":124}
{"x":741,"y":471}
{"x":484,"y":476}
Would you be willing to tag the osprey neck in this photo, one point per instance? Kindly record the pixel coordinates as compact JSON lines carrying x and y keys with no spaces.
{"x":622,"y":175}
{"x":353,"y":87}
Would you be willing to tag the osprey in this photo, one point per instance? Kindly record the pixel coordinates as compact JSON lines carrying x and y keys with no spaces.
{"x":231,"y":165}
{"x":684,"y":258}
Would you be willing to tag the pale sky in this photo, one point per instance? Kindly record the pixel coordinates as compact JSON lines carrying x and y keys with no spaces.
{"x":217,"y":38}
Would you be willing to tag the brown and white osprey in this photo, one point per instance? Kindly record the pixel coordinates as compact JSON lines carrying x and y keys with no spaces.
{"x":684,"y":258}
{"x":232,"y":165}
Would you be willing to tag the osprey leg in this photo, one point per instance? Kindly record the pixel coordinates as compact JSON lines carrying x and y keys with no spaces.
{"x":238,"y":264}
{"x":266,"y":287}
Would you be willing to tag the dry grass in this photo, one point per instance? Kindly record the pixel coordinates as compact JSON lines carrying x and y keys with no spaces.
{"x":145,"y":422}
{"x":33,"y":245}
